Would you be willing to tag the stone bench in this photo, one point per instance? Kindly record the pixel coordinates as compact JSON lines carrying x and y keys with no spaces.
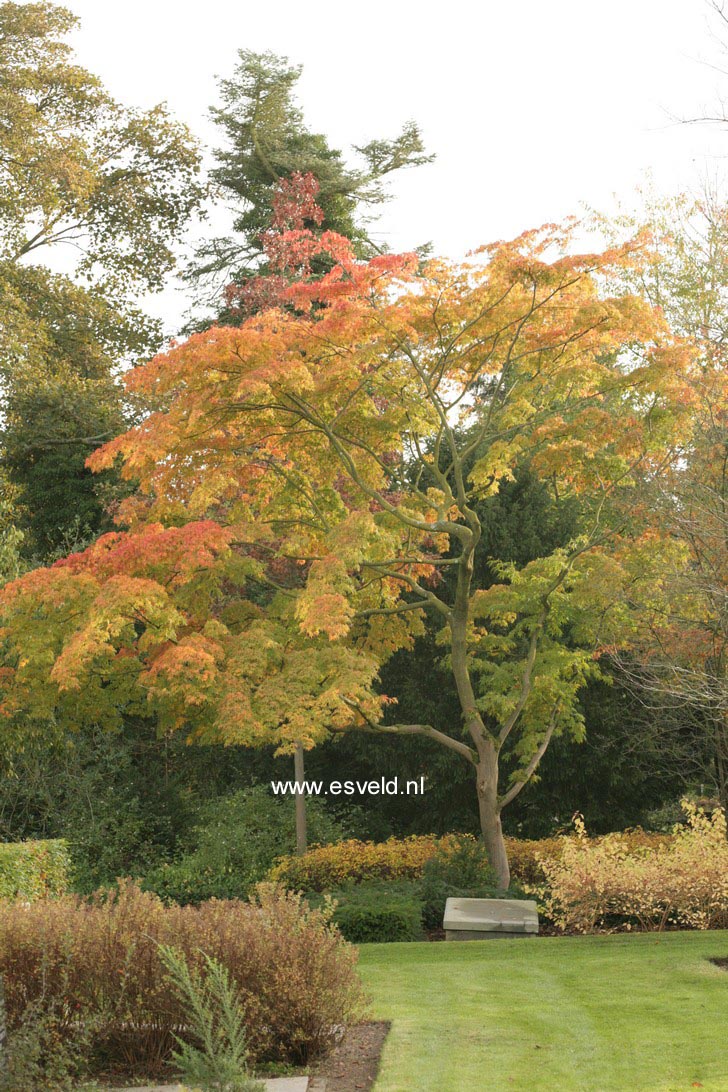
{"x":486,"y":919}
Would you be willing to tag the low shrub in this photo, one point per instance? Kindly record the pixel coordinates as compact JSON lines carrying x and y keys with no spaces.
{"x":101,"y":957}
{"x":527,"y":856}
{"x":352,"y":861}
{"x":41,"y":1056}
{"x":621,"y":881}
{"x":372,"y":913}
{"x":234,"y":844}
{"x":33,"y":870}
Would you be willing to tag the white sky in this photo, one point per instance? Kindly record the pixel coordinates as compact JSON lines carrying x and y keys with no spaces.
{"x":532,"y":106}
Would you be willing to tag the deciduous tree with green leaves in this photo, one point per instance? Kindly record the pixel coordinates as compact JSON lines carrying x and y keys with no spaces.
{"x":312,"y":474}
{"x":110,"y":188}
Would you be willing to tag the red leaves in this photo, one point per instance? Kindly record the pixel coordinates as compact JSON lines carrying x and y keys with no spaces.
{"x":176,"y":552}
{"x":295,"y":202}
{"x":292,"y":248}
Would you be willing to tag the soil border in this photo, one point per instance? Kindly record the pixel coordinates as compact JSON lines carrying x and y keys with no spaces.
{"x":353,"y":1065}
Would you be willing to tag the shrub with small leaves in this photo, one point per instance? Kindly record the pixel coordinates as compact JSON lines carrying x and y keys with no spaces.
{"x":32,"y":870}
{"x":611,"y":883}
{"x":377,"y":913}
{"x":100,"y":959}
{"x":43,"y":1053}
{"x":327,"y":867}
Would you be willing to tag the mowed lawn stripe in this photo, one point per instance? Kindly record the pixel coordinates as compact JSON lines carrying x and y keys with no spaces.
{"x":625,"y":1013}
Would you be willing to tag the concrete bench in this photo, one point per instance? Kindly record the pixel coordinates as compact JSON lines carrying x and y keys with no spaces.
{"x":485,"y":919}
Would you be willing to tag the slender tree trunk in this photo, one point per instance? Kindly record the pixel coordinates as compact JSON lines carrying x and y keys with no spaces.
{"x":300,"y":801}
{"x":487,"y":765}
{"x":490,"y":820}
{"x":721,"y":762}
{"x":3,"y":1033}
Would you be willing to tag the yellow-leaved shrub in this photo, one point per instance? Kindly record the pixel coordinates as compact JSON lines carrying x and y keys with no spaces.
{"x":612,"y":883}
{"x":327,"y":867}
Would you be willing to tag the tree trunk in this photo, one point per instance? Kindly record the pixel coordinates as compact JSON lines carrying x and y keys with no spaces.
{"x":490,"y":821}
{"x":721,"y":761}
{"x":300,"y":801}
{"x":3,"y":1033}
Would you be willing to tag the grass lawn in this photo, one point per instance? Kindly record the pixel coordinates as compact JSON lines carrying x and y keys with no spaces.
{"x":641,"y":1013}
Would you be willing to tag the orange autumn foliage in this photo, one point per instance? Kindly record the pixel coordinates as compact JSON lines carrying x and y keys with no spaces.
{"x":312,"y":476}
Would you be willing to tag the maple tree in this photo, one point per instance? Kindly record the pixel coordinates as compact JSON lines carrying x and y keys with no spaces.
{"x":312,"y":475}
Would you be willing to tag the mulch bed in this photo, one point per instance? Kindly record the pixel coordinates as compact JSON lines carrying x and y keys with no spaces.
{"x":354,"y":1064}
{"x":721,"y":962}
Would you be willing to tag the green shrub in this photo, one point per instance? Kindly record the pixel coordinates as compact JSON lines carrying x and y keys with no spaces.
{"x":33,"y":870}
{"x":100,"y":959}
{"x":41,"y":1055}
{"x":217,"y":1056}
{"x":234,"y":844}
{"x":459,"y":869}
{"x":371,"y":913}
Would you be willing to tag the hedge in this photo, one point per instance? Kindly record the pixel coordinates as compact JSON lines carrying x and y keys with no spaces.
{"x":97,"y":963}
{"x":34,"y":870}
{"x":327,"y":867}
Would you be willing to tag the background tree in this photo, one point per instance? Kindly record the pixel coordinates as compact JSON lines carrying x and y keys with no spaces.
{"x":111,"y":189}
{"x":334,"y":455}
{"x":268,"y":142}
{"x":683,"y":662}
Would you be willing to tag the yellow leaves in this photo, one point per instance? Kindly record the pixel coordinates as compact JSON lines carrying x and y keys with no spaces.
{"x":351,"y":539}
{"x":122,"y":604}
{"x":323,"y":606}
{"x":682,"y":881}
{"x":496,"y":465}
{"x":326,"y":612}
{"x":388,"y":633}
{"x":279,"y":690}
{"x":185,"y":671}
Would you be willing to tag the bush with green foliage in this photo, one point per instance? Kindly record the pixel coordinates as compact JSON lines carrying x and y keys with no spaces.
{"x":218,"y":1060}
{"x":234,"y":844}
{"x":42,"y":1056}
{"x":459,"y":869}
{"x":370,"y":913}
{"x":33,"y":870}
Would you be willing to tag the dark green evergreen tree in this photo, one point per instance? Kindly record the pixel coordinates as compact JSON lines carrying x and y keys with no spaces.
{"x":267,"y":141}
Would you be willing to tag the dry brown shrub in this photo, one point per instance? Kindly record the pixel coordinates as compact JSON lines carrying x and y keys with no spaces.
{"x":100,"y":959}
